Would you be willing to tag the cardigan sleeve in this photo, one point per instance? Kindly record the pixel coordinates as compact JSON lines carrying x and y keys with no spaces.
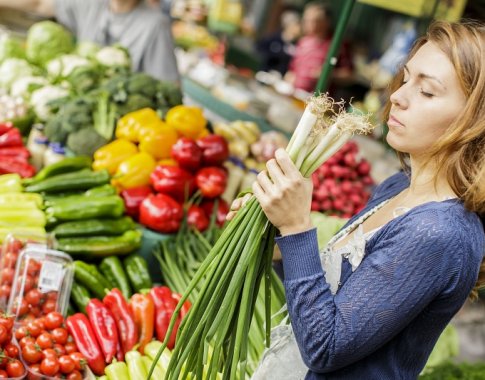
{"x":407,"y":268}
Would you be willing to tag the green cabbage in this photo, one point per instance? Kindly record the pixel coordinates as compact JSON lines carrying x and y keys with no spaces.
{"x":10,"y":48}
{"x":47,"y":40}
{"x":327,"y":227}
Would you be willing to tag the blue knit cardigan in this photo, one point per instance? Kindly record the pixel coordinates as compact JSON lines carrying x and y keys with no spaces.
{"x":387,"y":315}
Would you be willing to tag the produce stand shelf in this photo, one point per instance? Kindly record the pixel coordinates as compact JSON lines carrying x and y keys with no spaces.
{"x":204,"y":98}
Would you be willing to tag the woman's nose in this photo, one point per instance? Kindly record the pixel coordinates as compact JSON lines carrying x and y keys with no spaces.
{"x":398,"y":97}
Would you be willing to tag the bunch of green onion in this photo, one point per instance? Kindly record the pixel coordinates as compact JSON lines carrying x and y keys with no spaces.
{"x":213,"y":337}
{"x":180,"y":257}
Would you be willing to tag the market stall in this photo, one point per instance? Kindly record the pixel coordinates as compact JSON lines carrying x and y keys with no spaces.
{"x":114,"y":192}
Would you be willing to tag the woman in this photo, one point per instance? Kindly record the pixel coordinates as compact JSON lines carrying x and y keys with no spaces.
{"x":413,"y":255}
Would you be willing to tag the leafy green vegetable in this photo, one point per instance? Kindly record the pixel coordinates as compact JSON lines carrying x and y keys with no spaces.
{"x":104,"y":117}
{"x":327,"y":226}
{"x":47,"y":40}
{"x":83,"y":79}
{"x":85,"y":142}
{"x":10,"y":48}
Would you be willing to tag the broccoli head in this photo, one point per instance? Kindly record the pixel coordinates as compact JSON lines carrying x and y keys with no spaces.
{"x":85,"y":142}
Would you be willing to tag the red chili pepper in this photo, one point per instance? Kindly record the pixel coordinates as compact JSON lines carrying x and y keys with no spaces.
{"x":185,"y":307}
{"x":104,"y":327}
{"x":82,"y":332}
{"x":5,"y":127}
{"x":187,"y":153}
{"x":161,"y":213}
{"x":18,"y":165}
{"x":143,"y":309}
{"x":12,"y":137}
{"x":133,"y":198}
{"x":214,"y":150}
{"x":165,"y":305}
{"x":173,"y":181}
{"x":128,"y":332}
{"x":211,"y":181}
{"x":197,"y":218}
{"x":15,"y":151}
{"x":222,"y":209}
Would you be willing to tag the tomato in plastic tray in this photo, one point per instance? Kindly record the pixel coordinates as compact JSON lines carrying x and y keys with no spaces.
{"x":11,"y":367}
{"x":41,"y":284}
{"x":11,"y":248}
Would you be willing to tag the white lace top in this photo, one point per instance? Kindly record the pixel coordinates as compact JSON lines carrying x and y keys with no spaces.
{"x":354,"y":251}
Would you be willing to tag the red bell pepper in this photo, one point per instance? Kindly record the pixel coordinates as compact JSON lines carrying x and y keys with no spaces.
{"x":211,"y":181}
{"x":173,"y":181}
{"x":222,"y":209}
{"x":12,"y":137}
{"x":143,"y":309}
{"x":215,"y":150}
{"x":187,"y":153}
{"x":15,"y":151}
{"x":161,"y":213}
{"x":185,"y":307}
{"x":197,"y":218}
{"x":18,"y":165}
{"x":165,"y":305}
{"x":133,"y":198}
{"x":80,"y":329}
{"x":5,"y":127}
{"x":121,"y":311}
{"x":104,"y":327}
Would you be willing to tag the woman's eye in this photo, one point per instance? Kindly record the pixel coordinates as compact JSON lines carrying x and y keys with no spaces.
{"x":424,"y":93}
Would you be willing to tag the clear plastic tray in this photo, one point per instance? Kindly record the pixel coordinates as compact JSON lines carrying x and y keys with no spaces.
{"x":9,"y":254}
{"x":42,"y":283}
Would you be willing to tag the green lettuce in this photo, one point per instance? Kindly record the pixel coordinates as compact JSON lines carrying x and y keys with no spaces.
{"x":47,"y":40}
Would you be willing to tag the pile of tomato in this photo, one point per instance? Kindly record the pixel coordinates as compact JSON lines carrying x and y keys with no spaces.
{"x":10,"y":364}
{"x":48,"y":349}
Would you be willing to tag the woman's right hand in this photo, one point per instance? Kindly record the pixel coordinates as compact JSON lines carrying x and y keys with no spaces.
{"x":237,"y":204}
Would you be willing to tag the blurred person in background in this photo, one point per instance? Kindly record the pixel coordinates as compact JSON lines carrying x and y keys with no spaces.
{"x":312,"y":48}
{"x":277,"y":49}
{"x":143,"y":30}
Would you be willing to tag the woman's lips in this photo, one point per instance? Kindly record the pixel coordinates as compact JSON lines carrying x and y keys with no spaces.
{"x":394,"y":122}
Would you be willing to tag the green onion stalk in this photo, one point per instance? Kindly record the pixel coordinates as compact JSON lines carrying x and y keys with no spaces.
{"x":213,"y":337}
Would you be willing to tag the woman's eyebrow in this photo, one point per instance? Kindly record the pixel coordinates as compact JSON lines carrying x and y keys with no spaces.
{"x":427,"y":76}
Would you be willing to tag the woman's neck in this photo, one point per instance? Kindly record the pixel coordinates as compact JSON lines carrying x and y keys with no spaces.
{"x":425,"y":183}
{"x":122,"y":6}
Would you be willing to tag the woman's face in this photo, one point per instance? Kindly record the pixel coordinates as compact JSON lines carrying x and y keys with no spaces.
{"x":314,"y":22}
{"x":429,"y":99}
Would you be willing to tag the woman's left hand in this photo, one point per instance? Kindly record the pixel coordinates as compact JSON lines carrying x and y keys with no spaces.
{"x":284,"y":195}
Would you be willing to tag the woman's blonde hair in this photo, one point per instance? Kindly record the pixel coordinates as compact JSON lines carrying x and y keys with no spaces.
{"x":460,"y":152}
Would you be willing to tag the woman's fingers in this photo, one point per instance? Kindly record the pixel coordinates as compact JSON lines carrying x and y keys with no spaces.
{"x":286,"y":165}
{"x":275,"y":173}
{"x":236,"y":205}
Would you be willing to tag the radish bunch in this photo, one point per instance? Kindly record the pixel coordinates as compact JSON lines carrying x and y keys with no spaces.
{"x":341,"y":185}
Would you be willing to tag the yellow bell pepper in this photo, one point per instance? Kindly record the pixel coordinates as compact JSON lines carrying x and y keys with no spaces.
{"x":129,"y":125}
{"x":158,"y":141}
{"x":147,"y":129}
{"x":203,"y":133}
{"x":167,"y":162}
{"x":188,"y":121}
{"x":113,"y":154}
{"x":134,"y":172}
